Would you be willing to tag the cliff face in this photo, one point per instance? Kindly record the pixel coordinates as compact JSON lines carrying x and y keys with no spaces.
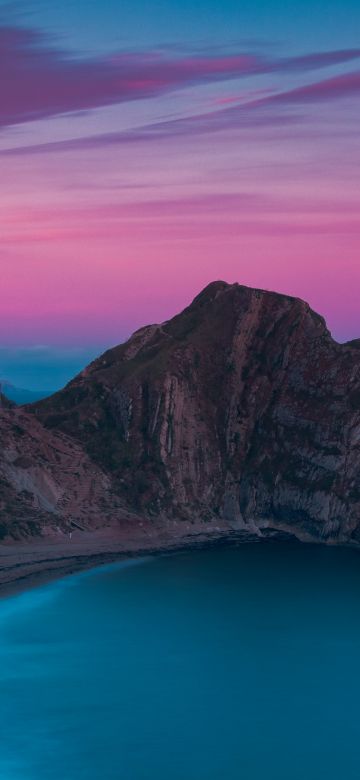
{"x":239,"y":413}
{"x":48,"y":485}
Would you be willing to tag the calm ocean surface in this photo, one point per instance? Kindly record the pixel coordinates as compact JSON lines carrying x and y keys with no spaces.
{"x":230,"y":664}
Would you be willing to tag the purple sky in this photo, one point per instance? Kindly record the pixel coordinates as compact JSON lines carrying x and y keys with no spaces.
{"x":146,"y":150}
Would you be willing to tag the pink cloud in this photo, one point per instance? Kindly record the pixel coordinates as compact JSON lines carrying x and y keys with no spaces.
{"x":245,"y":96}
{"x":42,"y":81}
{"x":181,"y":218}
{"x":317,"y":60}
{"x":346,"y":85}
{"x":254,"y":114}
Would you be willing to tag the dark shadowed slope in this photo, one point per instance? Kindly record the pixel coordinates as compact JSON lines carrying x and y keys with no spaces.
{"x":48,"y":485}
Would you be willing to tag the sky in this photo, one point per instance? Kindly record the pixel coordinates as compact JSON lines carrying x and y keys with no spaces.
{"x":148,"y":148}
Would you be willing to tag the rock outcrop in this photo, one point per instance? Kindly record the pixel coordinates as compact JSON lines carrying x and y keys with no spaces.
{"x":48,"y":485}
{"x":241,"y":413}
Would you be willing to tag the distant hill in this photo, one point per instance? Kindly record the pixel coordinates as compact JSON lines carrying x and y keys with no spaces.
{"x":21,"y":396}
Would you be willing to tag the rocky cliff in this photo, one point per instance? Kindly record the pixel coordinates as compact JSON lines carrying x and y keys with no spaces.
{"x":48,"y":485}
{"x":240,"y":413}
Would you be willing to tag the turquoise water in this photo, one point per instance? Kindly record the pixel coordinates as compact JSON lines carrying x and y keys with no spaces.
{"x":231,"y":664}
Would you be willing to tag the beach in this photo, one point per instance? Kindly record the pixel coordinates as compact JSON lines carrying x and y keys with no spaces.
{"x":27,"y":564}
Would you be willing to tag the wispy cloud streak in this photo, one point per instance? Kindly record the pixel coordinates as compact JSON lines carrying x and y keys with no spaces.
{"x":41,"y":81}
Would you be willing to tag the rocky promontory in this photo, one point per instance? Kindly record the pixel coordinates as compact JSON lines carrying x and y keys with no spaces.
{"x":239,"y":415}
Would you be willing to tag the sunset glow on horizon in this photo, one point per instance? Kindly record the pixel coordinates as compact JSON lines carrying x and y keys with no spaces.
{"x":138,"y":166}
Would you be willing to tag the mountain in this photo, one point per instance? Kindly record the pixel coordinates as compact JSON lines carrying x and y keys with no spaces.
{"x":241,"y":414}
{"x":19,"y":395}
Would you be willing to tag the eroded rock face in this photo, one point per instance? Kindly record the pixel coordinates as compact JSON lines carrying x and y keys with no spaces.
{"x":240,"y":412}
{"x":47,"y":482}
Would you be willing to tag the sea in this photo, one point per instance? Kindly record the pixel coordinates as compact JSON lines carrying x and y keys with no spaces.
{"x":236,"y":663}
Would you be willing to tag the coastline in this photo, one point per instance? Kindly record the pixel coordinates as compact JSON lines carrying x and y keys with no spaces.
{"x":27,"y":565}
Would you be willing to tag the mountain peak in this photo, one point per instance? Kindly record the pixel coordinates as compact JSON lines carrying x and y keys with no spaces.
{"x":240,"y":411}
{"x":211,"y":291}
{"x":238,"y":414}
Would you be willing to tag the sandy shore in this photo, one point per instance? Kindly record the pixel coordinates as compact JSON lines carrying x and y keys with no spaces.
{"x":28,"y":564}
{"x":25,"y":565}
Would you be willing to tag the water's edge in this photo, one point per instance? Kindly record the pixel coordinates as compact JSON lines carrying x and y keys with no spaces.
{"x":24,"y":567}
{"x":18,"y":575}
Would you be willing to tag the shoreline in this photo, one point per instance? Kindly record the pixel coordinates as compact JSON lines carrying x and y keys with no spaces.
{"x":31,"y":564}
{"x":27,"y":565}
{"x":24,"y":566}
